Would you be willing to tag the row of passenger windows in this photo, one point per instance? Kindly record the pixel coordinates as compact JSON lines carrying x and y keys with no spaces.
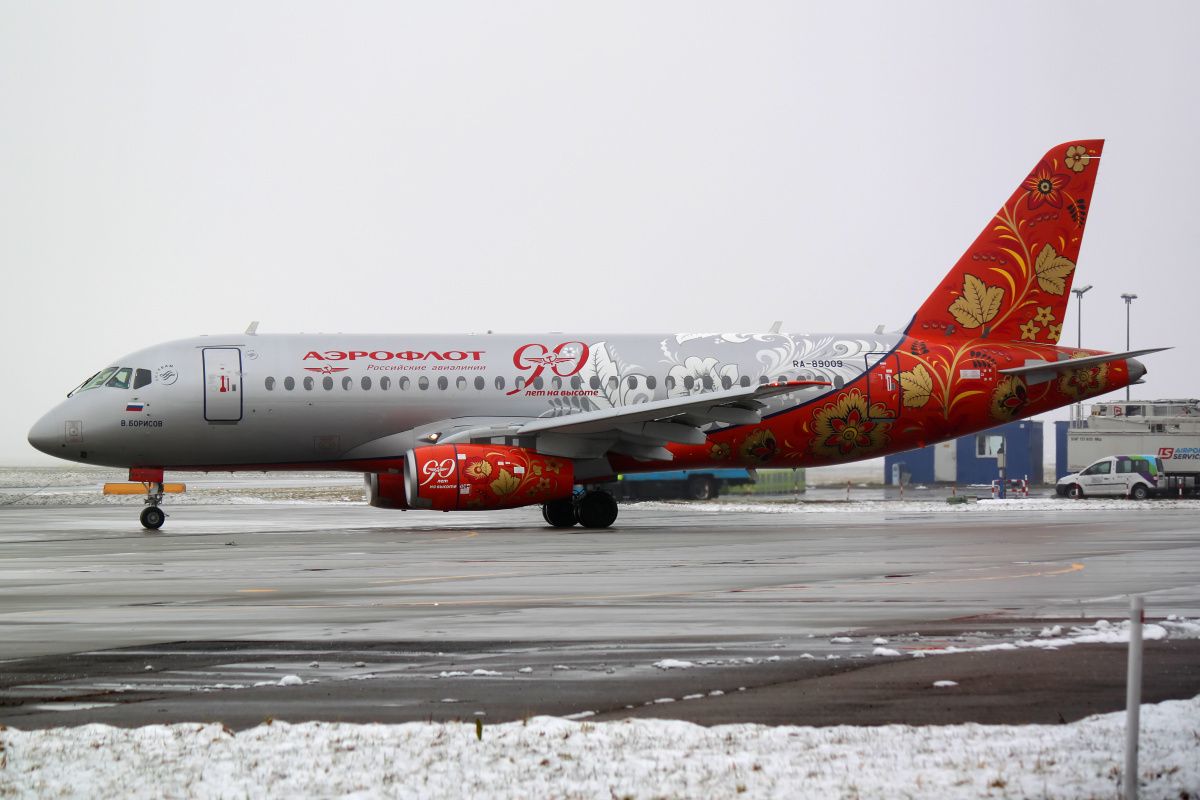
{"x":461,"y":382}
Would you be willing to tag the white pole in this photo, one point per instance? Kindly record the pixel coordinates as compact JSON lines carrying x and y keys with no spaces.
{"x":1133,"y":695}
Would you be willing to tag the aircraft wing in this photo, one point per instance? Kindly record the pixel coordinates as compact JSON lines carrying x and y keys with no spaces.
{"x":1035,"y":371}
{"x":642,"y":430}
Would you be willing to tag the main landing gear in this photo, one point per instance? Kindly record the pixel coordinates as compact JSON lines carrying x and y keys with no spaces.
{"x":596,"y":509}
{"x":153,"y":516}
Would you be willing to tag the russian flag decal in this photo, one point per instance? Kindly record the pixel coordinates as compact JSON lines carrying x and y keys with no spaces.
{"x":135,"y":406}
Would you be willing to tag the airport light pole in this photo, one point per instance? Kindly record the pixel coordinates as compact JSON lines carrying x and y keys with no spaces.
{"x":1129,"y":298}
{"x":1079,"y":311}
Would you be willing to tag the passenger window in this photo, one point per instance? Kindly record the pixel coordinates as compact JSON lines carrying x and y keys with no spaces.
{"x":538,"y":382}
{"x":460,"y":382}
{"x":385,"y":383}
{"x":480,"y":382}
{"x":726,"y":382}
{"x":556,"y":382}
{"x":500,"y":383}
{"x":270,"y":384}
{"x":142,"y":378}
{"x":632,"y":381}
{"x":594,"y":382}
{"x":404,"y":384}
{"x":308,"y":383}
{"x":1102,"y":468}
{"x":745,"y":381}
{"x":289,"y":383}
{"x":365,"y":383}
{"x":670,"y":383}
{"x":762,"y":379}
{"x":1139,"y":465}
{"x":423,"y":383}
{"x":327,"y":382}
{"x":1124,"y":467}
{"x":121,"y":379}
{"x":612,"y":383}
{"x":651,"y":382}
{"x":707,"y":381}
{"x":519,"y":383}
{"x":347,"y":382}
{"x":689,"y":382}
{"x":442,"y":382}
{"x":576,"y":382}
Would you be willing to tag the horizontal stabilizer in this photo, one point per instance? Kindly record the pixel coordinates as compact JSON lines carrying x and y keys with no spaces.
{"x":1036,"y":371}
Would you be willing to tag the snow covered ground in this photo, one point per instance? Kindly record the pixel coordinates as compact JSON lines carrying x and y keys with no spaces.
{"x":554,"y":758}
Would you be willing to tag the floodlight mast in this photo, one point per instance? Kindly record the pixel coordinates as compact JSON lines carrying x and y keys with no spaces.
{"x":1128,"y":298}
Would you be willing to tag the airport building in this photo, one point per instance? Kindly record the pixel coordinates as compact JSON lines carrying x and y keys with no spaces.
{"x":972,"y":459}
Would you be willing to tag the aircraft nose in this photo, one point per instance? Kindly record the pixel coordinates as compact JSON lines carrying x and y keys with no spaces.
{"x":47,"y":435}
{"x":1136,"y":369}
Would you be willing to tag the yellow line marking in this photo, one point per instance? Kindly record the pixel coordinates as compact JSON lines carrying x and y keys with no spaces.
{"x":1072,"y":568}
{"x":445,"y":538}
{"x":444,"y":577}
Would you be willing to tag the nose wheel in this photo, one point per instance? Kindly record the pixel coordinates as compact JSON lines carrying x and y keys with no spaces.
{"x":153,"y":516}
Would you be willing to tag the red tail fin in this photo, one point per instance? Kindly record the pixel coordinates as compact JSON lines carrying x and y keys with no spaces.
{"x":1014,"y":281}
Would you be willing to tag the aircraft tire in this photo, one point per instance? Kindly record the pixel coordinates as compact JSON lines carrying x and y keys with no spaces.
{"x":559,"y":513}
{"x":153,"y":518}
{"x":596,"y":510}
{"x":702,"y":489}
{"x":1075,"y":491}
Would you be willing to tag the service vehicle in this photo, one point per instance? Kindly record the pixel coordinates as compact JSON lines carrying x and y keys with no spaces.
{"x":1136,"y":476}
{"x":1168,"y":429}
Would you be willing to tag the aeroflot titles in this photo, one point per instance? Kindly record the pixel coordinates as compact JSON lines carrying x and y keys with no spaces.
{"x":386,"y":355}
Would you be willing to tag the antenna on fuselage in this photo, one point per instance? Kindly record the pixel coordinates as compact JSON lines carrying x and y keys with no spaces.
{"x":775,"y":327}
{"x":253,"y":329}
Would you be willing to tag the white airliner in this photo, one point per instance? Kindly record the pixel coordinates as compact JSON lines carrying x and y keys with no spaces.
{"x":465,"y":422}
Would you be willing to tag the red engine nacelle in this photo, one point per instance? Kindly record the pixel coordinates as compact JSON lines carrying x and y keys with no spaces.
{"x":385,"y":490}
{"x":478,"y":477}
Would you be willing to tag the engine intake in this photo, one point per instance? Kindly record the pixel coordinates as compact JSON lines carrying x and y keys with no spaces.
{"x":480,"y":477}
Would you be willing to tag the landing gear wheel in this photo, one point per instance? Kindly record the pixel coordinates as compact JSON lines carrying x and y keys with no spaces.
{"x":1075,"y":491}
{"x":1139,"y":492}
{"x":596,"y":510}
{"x":702,"y":489}
{"x":153,"y":518}
{"x":559,"y":513}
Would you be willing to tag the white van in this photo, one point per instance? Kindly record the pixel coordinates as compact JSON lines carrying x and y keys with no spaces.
{"x":1115,"y":476}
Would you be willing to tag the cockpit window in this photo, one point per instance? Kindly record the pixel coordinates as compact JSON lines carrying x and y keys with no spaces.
{"x":121,"y":379}
{"x":141,"y":378}
{"x":98,"y":379}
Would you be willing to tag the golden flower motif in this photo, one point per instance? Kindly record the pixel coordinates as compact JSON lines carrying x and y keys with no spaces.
{"x":1045,"y":315}
{"x":553,"y":465}
{"x":719,"y":451}
{"x":478,"y":470}
{"x":1054,"y":332}
{"x":844,"y":428}
{"x":1077,"y":158}
{"x":1078,"y":383}
{"x":1030,"y":330}
{"x":759,"y":446}
{"x":1008,"y":398}
{"x":1045,"y":186}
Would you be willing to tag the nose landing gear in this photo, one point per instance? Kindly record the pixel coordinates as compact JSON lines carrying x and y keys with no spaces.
{"x":153,"y":516}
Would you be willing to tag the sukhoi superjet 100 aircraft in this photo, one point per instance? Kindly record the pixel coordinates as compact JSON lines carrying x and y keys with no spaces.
{"x":471,"y":422}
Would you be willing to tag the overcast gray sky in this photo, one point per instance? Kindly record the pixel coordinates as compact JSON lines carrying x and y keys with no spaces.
{"x":171,"y":169}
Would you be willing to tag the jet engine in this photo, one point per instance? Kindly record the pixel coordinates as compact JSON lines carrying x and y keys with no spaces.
{"x":478,"y":477}
{"x":385,"y":490}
